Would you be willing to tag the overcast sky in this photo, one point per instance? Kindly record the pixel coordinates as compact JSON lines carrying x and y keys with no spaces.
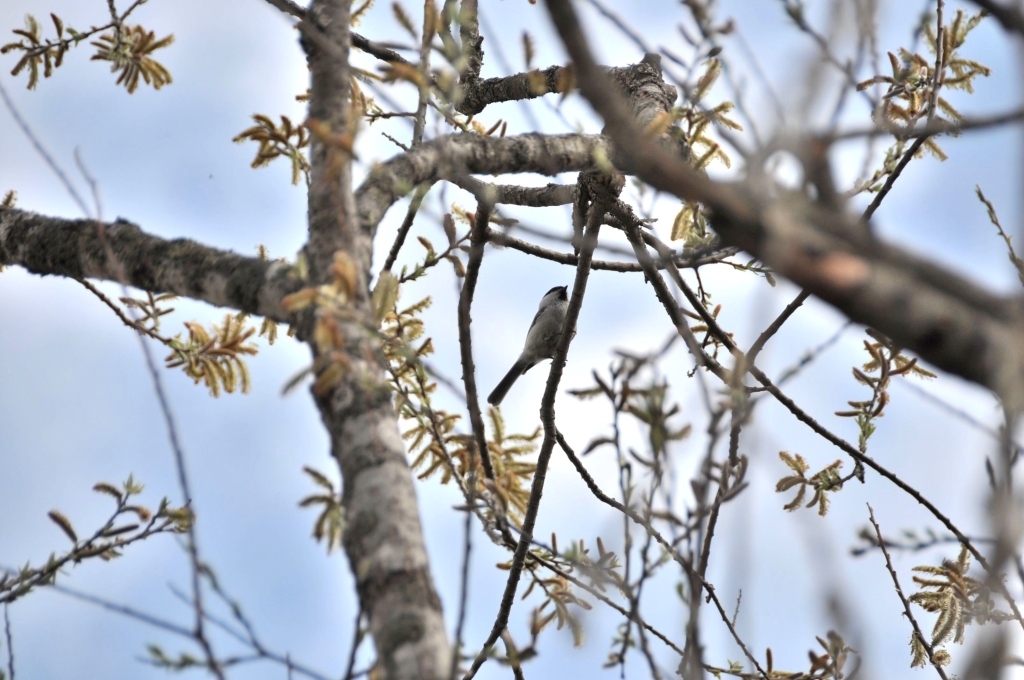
{"x":77,"y":405}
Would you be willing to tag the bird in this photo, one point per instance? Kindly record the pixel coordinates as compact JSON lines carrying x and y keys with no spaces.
{"x":541,"y":340}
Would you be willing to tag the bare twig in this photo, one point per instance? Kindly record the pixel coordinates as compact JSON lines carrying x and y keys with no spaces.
{"x":940,"y":61}
{"x":548,"y":420}
{"x":476,"y":254}
{"x":357,"y":639}
{"x":893,"y":176}
{"x":775,"y":325}
{"x":502,"y":239}
{"x":131,"y":323}
{"x":10,"y":642}
{"x":467,"y":549}
{"x":403,"y":230}
{"x":124,"y":610}
{"x":933,"y":127}
{"x":429,"y":18}
{"x":903,"y":598}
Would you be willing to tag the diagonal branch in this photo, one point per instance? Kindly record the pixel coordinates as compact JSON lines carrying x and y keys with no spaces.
{"x":903,"y":598}
{"x":1006,"y":13}
{"x":947,"y":320}
{"x":547,"y":414}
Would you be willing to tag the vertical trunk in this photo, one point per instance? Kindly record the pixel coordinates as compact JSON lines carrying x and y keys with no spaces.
{"x":383,"y":537}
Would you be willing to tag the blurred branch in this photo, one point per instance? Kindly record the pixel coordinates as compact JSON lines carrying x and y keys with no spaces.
{"x":930,"y":310}
{"x":1007,"y":15}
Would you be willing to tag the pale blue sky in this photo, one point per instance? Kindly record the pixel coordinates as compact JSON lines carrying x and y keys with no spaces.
{"x":77,"y":407}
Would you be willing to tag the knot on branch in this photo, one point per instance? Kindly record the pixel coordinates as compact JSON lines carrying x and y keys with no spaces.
{"x":645,"y":89}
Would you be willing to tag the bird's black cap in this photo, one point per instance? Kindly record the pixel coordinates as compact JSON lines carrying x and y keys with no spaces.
{"x":562,"y":292}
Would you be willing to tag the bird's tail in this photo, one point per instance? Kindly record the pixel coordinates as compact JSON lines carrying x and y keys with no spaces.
{"x":499,"y":392}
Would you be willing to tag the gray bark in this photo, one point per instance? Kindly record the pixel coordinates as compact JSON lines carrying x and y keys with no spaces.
{"x":121,"y":251}
{"x":383,"y":537}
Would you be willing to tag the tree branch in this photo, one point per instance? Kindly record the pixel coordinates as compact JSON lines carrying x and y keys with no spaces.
{"x":478,"y":239}
{"x":547,"y":414}
{"x":903,"y":598}
{"x":935,"y":313}
{"x":1010,"y":17}
{"x":79,"y":249}
{"x":480,"y":94}
{"x":445,"y":157}
{"x":499,"y":238}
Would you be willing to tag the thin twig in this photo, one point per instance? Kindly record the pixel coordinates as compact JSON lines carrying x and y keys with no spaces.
{"x":903,"y":598}
{"x":467,"y":549}
{"x":403,"y":230}
{"x":124,"y":610}
{"x":478,"y":238}
{"x":933,"y":127}
{"x":357,"y":639}
{"x":512,"y":654}
{"x":10,"y":642}
{"x":693,"y":646}
{"x":774,"y":327}
{"x":476,"y":254}
{"x":547,"y":418}
{"x":134,"y":325}
{"x":940,"y":68}
{"x":501,"y":239}
{"x":893,"y":176}
{"x":429,"y":17}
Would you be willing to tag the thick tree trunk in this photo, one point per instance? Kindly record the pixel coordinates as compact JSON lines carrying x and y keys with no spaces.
{"x":383,"y":536}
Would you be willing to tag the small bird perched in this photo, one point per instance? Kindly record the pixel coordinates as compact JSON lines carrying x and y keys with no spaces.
{"x":541,"y":339}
